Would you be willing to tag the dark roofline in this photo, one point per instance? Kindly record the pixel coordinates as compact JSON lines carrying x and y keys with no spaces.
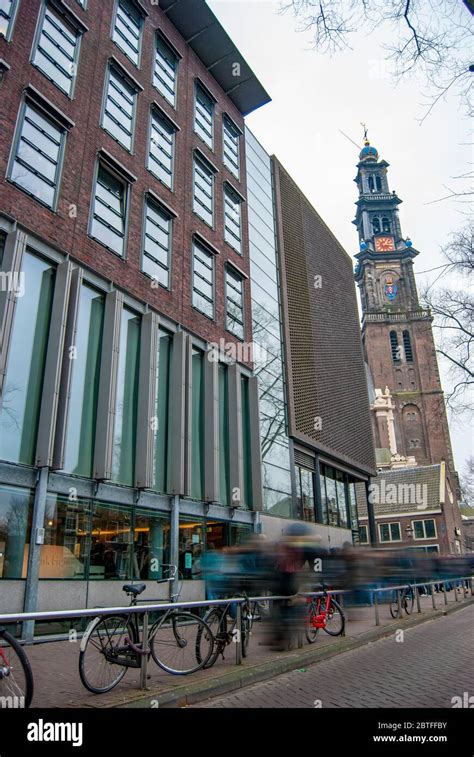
{"x":201,"y":30}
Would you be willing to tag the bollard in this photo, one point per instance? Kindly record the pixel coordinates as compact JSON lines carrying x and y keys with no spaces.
{"x":417,"y":596}
{"x":144,"y":665}
{"x":238,"y":640}
{"x":376,"y":608}
{"x":433,"y":597}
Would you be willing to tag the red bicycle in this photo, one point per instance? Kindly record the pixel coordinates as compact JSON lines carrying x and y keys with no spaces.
{"x":324,"y":612}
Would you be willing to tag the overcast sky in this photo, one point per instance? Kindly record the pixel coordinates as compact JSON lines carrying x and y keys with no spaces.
{"x":314,"y":96}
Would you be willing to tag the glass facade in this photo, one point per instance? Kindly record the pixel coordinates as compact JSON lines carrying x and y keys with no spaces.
{"x":19,"y":414}
{"x":16,"y":506}
{"x":305,"y":494}
{"x":81,"y":424}
{"x":125,"y":429}
{"x":197,"y":425}
{"x":268,"y":351}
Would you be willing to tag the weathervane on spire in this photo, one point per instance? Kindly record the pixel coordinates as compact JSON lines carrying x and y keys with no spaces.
{"x":366,"y":139}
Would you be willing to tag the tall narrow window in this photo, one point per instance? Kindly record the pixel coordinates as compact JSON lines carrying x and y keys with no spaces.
{"x":8,"y":10}
{"x":371,"y":184}
{"x":232,"y":220}
{"x":197,"y":425}
{"x":234,"y":299}
{"x":305,"y":493}
{"x":165,"y":72}
{"x":161,"y":149}
{"x":120,"y":104}
{"x":36,"y":167}
{"x":203,"y":279}
{"x":231,"y":144}
{"x":407,"y":347}
{"x":123,"y":460}
{"x":341,"y":500}
{"x":386,"y":225}
{"x":203,"y":202}
{"x":82,"y":410}
{"x":224,"y":494}
{"x":378,"y":183}
{"x":204,"y":116}
{"x":376,"y":225}
{"x":23,"y":386}
{"x":57,"y":49}
{"x":128,"y":29}
{"x":157,"y":243}
{"x":246,"y":494}
{"x":109,"y":211}
{"x":324,"y":499}
{"x":160,"y":463}
{"x":394,"y":347}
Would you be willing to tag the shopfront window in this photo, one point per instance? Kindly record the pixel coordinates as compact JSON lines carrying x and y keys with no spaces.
{"x":197,"y":443}
{"x":123,"y":464}
{"x":191,"y":548}
{"x":324,"y":499}
{"x":341,"y":500}
{"x":26,"y":360}
{"x":165,"y":346}
{"x":353,"y":506}
{"x":16,"y":507}
{"x":84,"y":384}
{"x":111,"y":543}
{"x":305,"y":494}
{"x":331,"y":496}
{"x":67,"y":538}
{"x":151,"y":545}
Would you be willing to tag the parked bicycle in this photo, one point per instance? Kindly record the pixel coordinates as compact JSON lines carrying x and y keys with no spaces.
{"x":324,"y":612}
{"x":179,"y":642}
{"x":16,"y":677}
{"x":407,"y":598}
{"x":222,"y":621}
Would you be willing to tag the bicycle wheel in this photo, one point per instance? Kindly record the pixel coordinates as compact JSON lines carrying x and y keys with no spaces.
{"x":408,"y":599}
{"x":103,"y":652}
{"x":181,"y":643}
{"x":311,"y":631}
{"x":16,"y":678}
{"x":335,"y":619}
{"x":394,"y":604}
{"x":215,"y":620}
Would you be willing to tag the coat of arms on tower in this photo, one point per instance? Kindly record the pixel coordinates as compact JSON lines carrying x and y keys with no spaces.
{"x":390,"y":289}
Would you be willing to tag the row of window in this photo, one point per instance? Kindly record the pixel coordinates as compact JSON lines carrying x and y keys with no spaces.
{"x":56,"y":54}
{"x":23,"y":387}
{"x":36,"y":165}
{"x":421,"y":529}
{"x":338,"y":498}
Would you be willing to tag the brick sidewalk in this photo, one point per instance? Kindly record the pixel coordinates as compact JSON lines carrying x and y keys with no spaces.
{"x":57,"y":682}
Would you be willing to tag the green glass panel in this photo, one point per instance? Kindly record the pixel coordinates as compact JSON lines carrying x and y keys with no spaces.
{"x":123,"y":461}
{"x":165,"y":346}
{"x":197,"y":461}
{"x":25,"y":369}
{"x":223,"y":436}
{"x":84,"y":384}
{"x":16,"y":507}
{"x":247,"y":459}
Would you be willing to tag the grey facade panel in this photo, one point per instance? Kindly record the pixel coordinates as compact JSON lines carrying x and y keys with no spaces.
{"x":236,"y":463}
{"x":177,"y":409}
{"x":15,"y":246}
{"x":255,"y":450}
{"x":328,"y":399}
{"x":211,"y":436}
{"x":146,"y":401}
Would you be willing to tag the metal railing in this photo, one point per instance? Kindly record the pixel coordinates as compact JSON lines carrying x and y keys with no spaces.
{"x":145,"y":608}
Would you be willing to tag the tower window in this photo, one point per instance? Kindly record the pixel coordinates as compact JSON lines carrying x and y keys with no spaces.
{"x":394,"y":347}
{"x":386,"y":225}
{"x":371,"y":184}
{"x":407,"y":347}
{"x":376,"y":225}
{"x":378,"y":183}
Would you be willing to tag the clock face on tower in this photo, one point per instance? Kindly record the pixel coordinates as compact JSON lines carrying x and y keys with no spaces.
{"x":384,"y":244}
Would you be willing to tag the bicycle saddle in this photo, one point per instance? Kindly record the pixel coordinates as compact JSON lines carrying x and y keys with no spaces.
{"x":134,"y":589}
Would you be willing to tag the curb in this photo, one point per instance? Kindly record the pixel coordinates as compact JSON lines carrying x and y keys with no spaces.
{"x":241,"y":676}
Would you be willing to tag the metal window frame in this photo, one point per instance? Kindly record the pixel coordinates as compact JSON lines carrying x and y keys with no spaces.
{"x":160,"y":114}
{"x":210,"y":169}
{"x":100,"y":162}
{"x":228,"y":191}
{"x":231,"y":270}
{"x":390,"y":524}
{"x":198,"y":85}
{"x":197,"y":242}
{"x":227,"y":120}
{"x":11,"y":21}
{"x":121,"y":74}
{"x":424,"y":538}
{"x":141,"y":12}
{"x":55,"y":8}
{"x":177,"y":55}
{"x":150,"y":199}
{"x":32,"y":103}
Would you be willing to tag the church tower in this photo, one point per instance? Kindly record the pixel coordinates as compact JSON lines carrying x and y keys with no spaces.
{"x":396,"y":331}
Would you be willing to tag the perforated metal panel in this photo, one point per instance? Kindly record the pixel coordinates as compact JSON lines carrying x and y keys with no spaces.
{"x":329,"y":397}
